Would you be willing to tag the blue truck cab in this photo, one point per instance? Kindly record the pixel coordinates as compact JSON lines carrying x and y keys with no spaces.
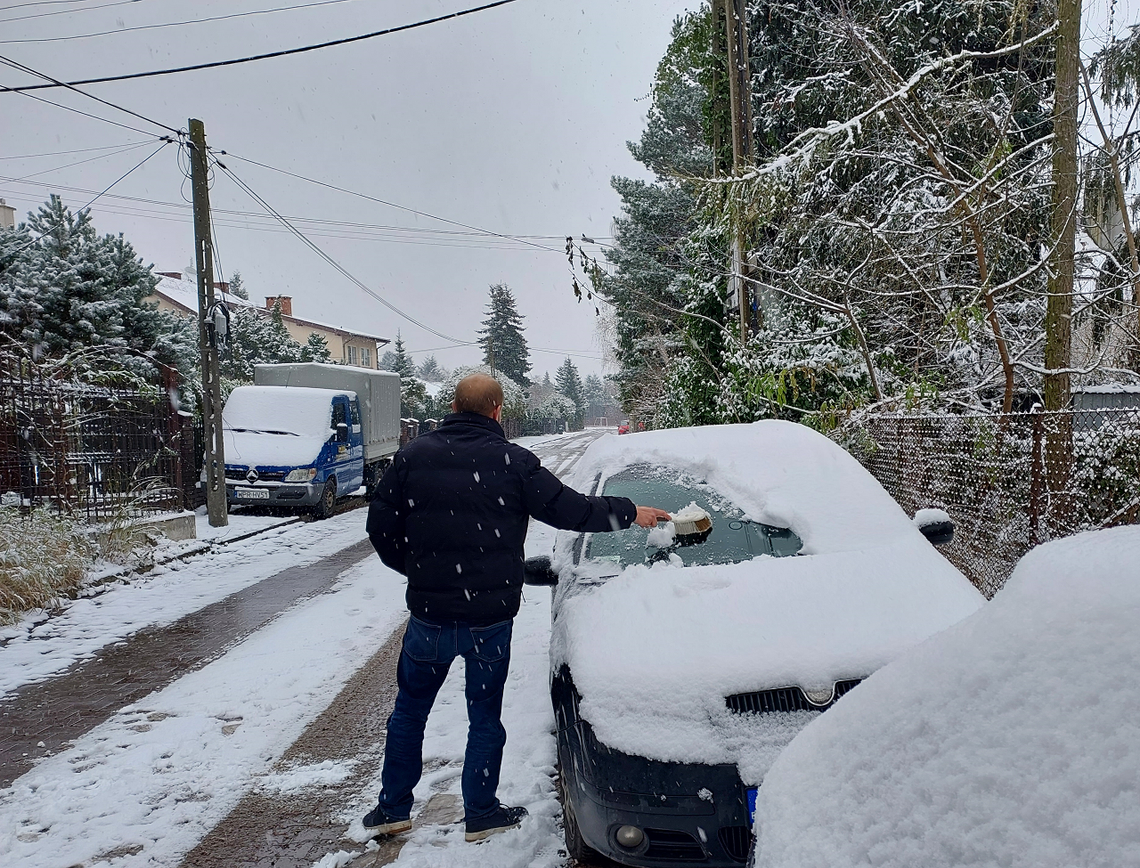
{"x":294,"y":447}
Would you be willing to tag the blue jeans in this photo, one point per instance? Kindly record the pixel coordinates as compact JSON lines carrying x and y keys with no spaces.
{"x":424,"y":661}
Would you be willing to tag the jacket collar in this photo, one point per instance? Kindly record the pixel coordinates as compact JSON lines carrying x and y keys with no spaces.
{"x":477,"y":419}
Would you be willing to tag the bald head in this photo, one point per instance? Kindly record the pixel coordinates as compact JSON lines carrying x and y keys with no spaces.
{"x":477,"y":393}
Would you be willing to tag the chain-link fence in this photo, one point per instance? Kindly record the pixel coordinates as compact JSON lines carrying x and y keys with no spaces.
{"x":1008,"y":482}
{"x":89,"y":451}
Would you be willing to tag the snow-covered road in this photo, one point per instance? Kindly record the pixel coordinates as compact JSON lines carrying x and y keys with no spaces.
{"x":149,"y":783}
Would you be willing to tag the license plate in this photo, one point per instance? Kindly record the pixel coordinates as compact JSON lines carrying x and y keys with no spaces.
{"x":251,"y":493}
{"x":751,"y":806}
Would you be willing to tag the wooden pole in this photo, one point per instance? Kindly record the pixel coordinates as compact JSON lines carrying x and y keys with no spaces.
{"x":215,"y":459}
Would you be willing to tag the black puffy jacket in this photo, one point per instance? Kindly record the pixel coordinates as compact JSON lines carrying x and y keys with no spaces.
{"x":451,"y":514}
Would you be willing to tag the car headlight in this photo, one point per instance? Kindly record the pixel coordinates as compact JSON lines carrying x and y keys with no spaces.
{"x":301,"y":474}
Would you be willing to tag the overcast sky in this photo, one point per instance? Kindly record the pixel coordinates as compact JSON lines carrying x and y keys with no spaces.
{"x":510,"y":120}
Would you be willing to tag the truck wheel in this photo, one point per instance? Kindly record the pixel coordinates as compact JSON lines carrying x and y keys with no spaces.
{"x":324,"y":507}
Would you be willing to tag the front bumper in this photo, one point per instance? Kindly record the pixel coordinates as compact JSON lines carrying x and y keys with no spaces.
{"x":276,"y":494}
{"x":690,"y":813}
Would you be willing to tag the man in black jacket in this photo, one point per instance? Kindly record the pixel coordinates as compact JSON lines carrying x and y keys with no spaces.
{"x":451,"y":514}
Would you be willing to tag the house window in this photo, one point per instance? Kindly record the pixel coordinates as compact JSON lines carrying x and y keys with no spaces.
{"x":365,"y":357}
{"x":352,"y":355}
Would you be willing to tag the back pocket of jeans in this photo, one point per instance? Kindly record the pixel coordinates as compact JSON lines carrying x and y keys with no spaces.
{"x":492,"y":643}
{"x":421,"y":640}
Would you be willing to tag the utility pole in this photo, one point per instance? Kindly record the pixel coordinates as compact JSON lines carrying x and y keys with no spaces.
{"x":214,"y":460}
{"x":740,"y":105}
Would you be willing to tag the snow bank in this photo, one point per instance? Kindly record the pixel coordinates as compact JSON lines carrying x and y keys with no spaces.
{"x":655,"y":650}
{"x":1011,"y":739}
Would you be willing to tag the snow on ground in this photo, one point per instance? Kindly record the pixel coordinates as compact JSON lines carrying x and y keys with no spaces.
{"x":144,"y":787}
{"x":37,"y":648}
{"x":1011,"y":739}
{"x":156,"y":777}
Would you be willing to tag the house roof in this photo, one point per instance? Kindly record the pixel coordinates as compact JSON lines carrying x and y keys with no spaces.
{"x":184,"y":294}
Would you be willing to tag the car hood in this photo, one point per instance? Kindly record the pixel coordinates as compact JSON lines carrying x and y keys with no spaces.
{"x":259,"y":449}
{"x":655,"y":650}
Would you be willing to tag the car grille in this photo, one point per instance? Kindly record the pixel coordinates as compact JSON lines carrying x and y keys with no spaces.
{"x":783,"y":699}
{"x":272,"y":475}
{"x":671,"y":844}
{"x":736,"y":841}
{"x":238,"y":475}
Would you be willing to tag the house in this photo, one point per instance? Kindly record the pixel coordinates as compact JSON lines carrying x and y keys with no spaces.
{"x":180,"y":296}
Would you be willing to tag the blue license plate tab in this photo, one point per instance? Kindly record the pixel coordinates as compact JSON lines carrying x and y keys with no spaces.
{"x":751,"y":806}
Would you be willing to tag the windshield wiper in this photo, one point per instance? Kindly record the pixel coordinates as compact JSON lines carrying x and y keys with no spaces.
{"x":260,"y":431}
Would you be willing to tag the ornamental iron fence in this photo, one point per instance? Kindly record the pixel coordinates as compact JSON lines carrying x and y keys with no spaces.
{"x":91,"y":451}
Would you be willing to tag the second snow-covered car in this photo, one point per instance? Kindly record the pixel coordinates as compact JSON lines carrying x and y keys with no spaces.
{"x":682,"y":665}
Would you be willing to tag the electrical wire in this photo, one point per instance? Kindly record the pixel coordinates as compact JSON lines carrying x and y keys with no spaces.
{"x":68,"y":153}
{"x":336,"y":265}
{"x":418,"y":213}
{"x":60,"y":12}
{"x":124,"y":150}
{"x":57,"y":83}
{"x":103,"y":192}
{"x":167,"y":23}
{"x":86,"y":114}
{"x":269,"y":55}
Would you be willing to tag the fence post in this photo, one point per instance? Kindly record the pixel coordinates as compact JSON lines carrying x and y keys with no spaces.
{"x":1036,"y":480}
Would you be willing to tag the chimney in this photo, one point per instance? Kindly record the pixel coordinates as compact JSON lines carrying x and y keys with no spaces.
{"x":223,"y":285}
{"x":286,"y":303}
{"x":177,"y":275}
{"x":7,"y":215}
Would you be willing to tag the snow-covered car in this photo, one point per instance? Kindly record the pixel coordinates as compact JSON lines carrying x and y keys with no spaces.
{"x":1012,"y":738}
{"x":680,"y":671}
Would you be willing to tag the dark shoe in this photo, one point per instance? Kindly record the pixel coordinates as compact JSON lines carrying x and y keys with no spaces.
{"x":377,"y":822}
{"x":503,"y":820}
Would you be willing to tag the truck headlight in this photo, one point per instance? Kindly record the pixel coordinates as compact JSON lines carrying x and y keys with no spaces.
{"x":301,"y":474}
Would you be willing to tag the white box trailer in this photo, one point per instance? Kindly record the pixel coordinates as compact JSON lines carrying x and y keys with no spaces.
{"x":378,"y":391}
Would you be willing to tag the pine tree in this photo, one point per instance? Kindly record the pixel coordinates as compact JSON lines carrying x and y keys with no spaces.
{"x":504,"y":347}
{"x":316,"y":349}
{"x":399,"y":361}
{"x":66,"y":290}
{"x":569,"y":385}
{"x":258,"y":339}
{"x":237,"y":287}
{"x":431,"y":371}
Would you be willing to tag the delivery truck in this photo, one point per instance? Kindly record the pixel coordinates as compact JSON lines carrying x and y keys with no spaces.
{"x":305,"y":434}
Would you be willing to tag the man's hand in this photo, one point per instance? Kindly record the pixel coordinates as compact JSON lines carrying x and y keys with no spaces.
{"x":648,"y":516}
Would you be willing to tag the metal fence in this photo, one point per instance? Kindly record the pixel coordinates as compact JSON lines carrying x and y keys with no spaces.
{"x":90,"y":451}
{"x":1008,"y":482}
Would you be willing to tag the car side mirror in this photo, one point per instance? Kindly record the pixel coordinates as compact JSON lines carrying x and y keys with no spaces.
{"x":341,"y":432}
{"x":935,"y":525}
{"x":537,"y":571}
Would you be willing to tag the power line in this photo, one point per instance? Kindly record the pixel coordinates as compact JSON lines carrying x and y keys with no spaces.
{"x":103,"y":192}
{"x":86,"y":114}
{"x":283,"y":53}
{"x":249,"y":191}
{"x":82,"y":162}
{"x":57,"y":83}
{"x":60,"y":12}
{"x":68,"y":153}
{"x":418,"y":213}
{"x":164,"y":24}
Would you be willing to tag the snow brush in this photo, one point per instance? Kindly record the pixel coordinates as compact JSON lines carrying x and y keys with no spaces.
{"x":691,"y":525}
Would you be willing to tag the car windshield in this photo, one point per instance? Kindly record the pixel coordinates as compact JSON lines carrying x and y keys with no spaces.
{"x":732,"y":539}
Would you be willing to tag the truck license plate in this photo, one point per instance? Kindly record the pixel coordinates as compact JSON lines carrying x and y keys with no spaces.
{"x":251,"y":493}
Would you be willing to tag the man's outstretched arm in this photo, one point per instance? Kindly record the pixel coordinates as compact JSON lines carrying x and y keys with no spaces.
{"x":560,"y":506}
